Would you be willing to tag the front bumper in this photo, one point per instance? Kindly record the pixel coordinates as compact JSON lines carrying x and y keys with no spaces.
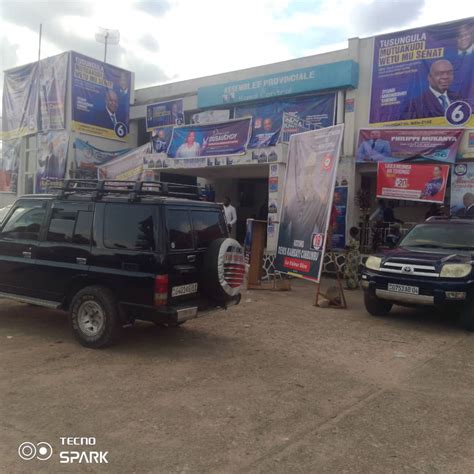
{"x":432,"y":291}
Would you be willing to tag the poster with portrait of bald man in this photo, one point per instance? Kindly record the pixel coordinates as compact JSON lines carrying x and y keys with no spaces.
{"x":424,"y":76}
{"x":307,"y":201}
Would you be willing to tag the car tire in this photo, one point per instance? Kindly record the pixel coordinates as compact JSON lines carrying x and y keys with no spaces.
{"x":95,"y":318}
{"x":218,"y":272}
{"x":375,"y":306}
{"x":466,"y":317}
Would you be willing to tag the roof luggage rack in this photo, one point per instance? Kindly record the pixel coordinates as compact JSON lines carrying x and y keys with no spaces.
{"x":133,"y":189}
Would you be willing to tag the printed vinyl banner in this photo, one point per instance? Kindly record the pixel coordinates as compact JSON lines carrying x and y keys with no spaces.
{"x":162,"y":114}
{"x":100,"y":98}
{"x":160,"y":139}
{"x":291,"y":125}
{"x":211,"y":116}
{"x":87,"y":158}
{"x":226,"y":138}
{"x":52,"y":159}
{"x":390,"y":145}
{"x":267,"y":117}
{"x":424,"y":76}
{"x":128,"y":167}
{"x":462,"y":190}
{"x":339,"y":230}
{"x":412,"y":182}
{"x":9,"y":163}
{"x":307,"y":201}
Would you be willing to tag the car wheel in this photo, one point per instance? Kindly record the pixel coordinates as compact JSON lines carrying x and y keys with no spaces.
{"x":95,"y":317}
{"x":467,"y":317}
{"x":375,"y":306}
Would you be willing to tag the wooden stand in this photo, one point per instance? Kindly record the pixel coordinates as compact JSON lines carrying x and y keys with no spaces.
{"x":336,"y":303}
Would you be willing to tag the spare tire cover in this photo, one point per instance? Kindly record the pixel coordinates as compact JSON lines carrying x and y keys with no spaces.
{"x":223,"y":269}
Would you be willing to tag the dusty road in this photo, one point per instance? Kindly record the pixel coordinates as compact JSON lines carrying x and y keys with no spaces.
{"x":274,"y":385}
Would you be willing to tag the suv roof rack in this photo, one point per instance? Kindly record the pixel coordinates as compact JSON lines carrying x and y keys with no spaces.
{"x":134,"y":189}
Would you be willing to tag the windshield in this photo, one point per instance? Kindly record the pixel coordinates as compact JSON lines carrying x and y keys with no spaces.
{"x":441,"y":236}
{"x":4,"y":212}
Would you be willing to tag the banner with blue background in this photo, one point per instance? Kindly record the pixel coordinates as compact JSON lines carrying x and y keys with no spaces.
{"x":166,"y":113}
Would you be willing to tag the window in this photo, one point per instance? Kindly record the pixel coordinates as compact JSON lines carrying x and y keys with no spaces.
{"x":129,"y":227}
{"x":70,"y":224}
{"x":25,"y":221}
{"x":179,"y":230}
{"x":208,"y":226}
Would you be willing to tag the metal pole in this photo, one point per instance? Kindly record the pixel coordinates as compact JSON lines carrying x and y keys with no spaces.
{"x":38,"y":105}
{"x":105,"y":51}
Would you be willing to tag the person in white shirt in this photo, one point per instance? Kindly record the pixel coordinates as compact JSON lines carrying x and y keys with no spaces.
{"x":465,"y":39}
{"x":190,"y":148}
{"x":230,"y":214}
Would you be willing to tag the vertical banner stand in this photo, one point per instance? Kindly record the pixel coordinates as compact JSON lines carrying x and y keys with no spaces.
{"x":335,"y":300}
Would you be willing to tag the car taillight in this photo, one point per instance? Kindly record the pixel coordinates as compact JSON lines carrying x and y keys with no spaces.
{"x":161,"y":290}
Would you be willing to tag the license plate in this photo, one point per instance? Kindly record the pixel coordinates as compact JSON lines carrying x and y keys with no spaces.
{"x":412,"y":290}
{"x":184,"y":290}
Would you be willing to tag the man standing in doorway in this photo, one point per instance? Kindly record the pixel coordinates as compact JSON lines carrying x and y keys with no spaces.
{"x":230,"y":214}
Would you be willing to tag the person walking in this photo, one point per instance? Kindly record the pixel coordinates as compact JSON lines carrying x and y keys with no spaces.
{"x":230,"y":214}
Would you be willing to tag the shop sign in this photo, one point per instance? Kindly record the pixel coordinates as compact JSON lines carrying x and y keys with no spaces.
{"x":338,"y":75}
{"x":462,"y":190}
{"x":426,"y":183}
{"x":390,"y":145}
{"x":424,"y":76}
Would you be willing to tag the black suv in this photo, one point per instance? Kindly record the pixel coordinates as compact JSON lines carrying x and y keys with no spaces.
{"x":432,"y":265}
{"x":110,"y":252}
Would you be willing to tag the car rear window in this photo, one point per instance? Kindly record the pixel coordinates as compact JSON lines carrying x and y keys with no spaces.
{"x":129,"y":227}
{"x":208,"y":226}
{"x":180,"y":234}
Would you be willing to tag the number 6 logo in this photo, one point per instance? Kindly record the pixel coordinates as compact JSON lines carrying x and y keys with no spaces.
{"x":120,"y":129}
{"x":458,"y":113}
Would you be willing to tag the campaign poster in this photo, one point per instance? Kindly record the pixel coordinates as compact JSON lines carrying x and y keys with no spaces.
{"x":390,"y":145}
{"x":128,"y":167}
{"x":409,"y":182}
{"x":20,"y":102}
{"x":292,"y":124}
{"x":9,"y":164}
{"x":318,"y":111}
{"x":162,"y":114}
{"x":52,"y":159}
{"x":307,"y":201}
{"x":462,"y":190}
{"x":210,"y":116}
{"x":160,"y":139}
{"x":340,"y":206}
{"x":424,"y":76}
{"x":100,"y":98}
{"x":225,"y":138}
{"x":87,"y":158}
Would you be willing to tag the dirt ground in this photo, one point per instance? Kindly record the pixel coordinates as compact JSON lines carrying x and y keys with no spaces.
{"x":273,"y":385}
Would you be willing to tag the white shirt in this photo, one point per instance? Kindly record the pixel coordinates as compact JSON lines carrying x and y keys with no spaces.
{"x":438,"y":95}
{"x":186,"y":151}
{"x":230,"y":214}
{"x":466,"y":51}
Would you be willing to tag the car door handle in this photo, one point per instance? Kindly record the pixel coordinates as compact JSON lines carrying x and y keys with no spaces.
{"x":191,"y":258}
{"x":81,"y":261}
{"x":26,"y":254}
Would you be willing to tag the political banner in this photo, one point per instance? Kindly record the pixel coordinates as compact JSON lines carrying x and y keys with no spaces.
{"x":160,"y":139}
{"x":340,"y":206}
{"x":389,"y":145}
{"x":52,"y":159}
{"x":9,"y":164}
{"x":307,"y":201}
{"x":100,"y":98}
{"x":87,"y":158}
{"x":408,"y":182}
{"x":163,"y":114}
{"x":292,"y":124}
{"x":210,"y":116}
{"x":20,"y":102}
{"x":226,"y":138}
{"x":128,"y":167}
{"x":462,"y":190}
{"x":424,"y":76}
{"x":318,"y":111}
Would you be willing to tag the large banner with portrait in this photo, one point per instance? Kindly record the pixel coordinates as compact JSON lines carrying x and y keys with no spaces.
{"x":217,"y":139}
{"x":307,"y":201}
{"x":401,"y":144}
{"x":128,"y":167}
{"x":462,"y":190}
{"x":162,"y":114}
{"x":9,"y":164}
{"x":100,"y":98}
{"x":88,"y":158}
{"x":409,"y":182}
{"x":52,"y":159}
{"x":424,"y":76}
{"x":160,"y":139}
{"x":318,"y":111}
